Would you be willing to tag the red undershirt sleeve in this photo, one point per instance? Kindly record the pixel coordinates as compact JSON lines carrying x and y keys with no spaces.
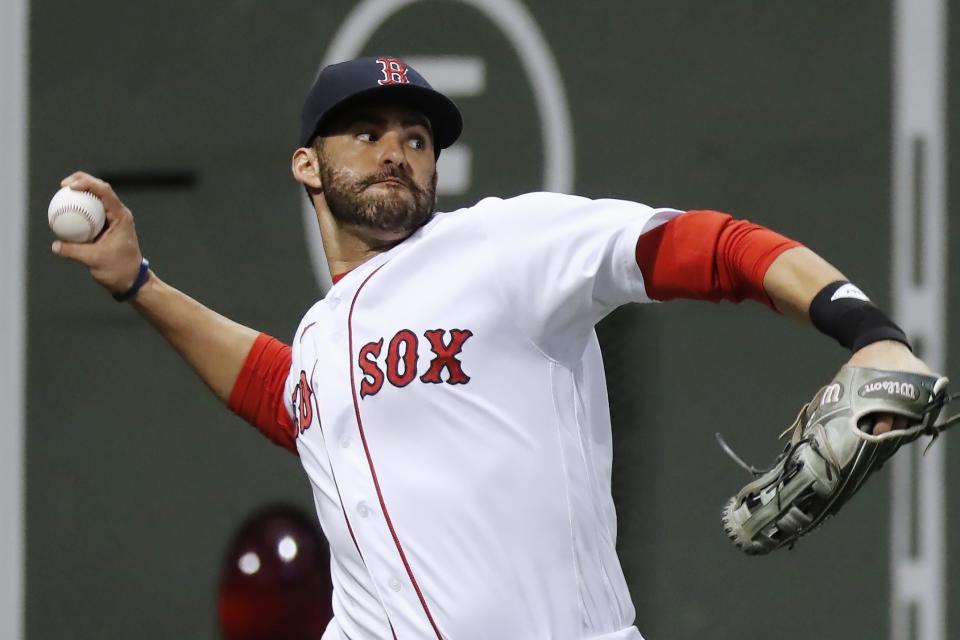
{"x":708,"y":255}
{"x":258,"y":393}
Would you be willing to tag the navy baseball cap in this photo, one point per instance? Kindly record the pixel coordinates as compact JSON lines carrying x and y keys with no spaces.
{"x":377,"y":79}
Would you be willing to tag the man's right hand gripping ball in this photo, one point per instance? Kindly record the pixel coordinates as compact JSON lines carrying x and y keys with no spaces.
{"x":114,"y":258}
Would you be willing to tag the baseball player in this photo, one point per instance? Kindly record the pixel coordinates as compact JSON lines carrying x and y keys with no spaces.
{"x":447,"y":398}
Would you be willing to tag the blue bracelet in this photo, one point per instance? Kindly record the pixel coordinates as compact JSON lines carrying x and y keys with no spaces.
{"x":142,"y":276}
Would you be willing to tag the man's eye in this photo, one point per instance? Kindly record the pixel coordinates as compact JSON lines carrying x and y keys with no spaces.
{"x":365,"y":137}
{"x":417,"y":143}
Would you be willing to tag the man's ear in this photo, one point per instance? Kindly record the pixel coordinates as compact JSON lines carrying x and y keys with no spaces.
{"x":305,"y":166}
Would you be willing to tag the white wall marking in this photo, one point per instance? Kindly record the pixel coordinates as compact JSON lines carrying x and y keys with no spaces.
{"x":919,"y":231}
{"x":13,"y":241}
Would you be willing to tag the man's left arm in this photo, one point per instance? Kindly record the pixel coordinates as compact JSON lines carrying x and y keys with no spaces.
{"x":707,"y":255}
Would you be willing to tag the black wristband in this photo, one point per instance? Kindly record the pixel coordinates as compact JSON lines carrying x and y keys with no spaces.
{"x":844,"y":313}
{"x":142,"y":276}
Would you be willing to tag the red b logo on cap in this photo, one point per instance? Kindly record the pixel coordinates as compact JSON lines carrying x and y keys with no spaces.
{"x":394,"y":71}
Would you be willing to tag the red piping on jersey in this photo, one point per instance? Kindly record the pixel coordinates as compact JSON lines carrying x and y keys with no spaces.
{"x":346,"y":519}
{"x":373,"y":471}
{"x":305,"y":329}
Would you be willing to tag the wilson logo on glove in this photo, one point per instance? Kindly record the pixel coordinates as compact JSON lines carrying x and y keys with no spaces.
{"x":886,"y":388}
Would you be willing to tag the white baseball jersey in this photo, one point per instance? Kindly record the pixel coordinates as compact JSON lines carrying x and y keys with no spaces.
{"x":454,"y":424}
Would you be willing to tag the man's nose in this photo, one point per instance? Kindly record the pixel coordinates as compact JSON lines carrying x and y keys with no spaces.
{"x":391,"y":149}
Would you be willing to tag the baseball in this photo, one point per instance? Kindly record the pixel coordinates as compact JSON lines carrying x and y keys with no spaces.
{"x":75,"y":216}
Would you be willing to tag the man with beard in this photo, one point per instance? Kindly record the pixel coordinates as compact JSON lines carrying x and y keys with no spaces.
{"x":446,"y":398}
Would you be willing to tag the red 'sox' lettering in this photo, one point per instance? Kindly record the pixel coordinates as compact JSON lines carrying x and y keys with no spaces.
{"x":403,"y":358}
{"x":372,"y":375}
{"x":407,"y":339}
{"x":446,"y":356}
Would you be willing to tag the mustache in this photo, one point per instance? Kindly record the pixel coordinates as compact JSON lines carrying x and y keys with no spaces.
{"x":393,"y":171}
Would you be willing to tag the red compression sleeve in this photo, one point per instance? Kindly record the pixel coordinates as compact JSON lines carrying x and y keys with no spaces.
{"x":707,"y":255}
{"x":258,"y":393}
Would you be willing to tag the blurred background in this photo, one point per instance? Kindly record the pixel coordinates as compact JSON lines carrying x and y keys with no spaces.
{"x":126,"y":485}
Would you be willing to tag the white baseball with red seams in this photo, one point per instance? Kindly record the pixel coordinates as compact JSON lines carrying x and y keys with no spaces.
{"x":453,"y":422}
{"x":75,"y":216}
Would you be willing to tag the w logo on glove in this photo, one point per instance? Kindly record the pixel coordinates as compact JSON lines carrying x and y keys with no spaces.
{"x":831,"y":394}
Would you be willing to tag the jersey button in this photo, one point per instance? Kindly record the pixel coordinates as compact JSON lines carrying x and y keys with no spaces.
{"x":395,"y":584}
{"x":345,"y":442}
{"x":363,"y":509}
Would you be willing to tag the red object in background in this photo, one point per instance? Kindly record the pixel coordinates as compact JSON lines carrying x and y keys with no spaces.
{"x":275,"y":583}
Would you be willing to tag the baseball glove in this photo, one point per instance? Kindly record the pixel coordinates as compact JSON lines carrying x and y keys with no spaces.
{"x":830,"y":454}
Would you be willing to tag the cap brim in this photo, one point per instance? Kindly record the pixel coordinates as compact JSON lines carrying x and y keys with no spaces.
{"x":443,"y":114}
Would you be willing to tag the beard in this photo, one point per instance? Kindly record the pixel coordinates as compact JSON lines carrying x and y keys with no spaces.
{"x":398,"y":210}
